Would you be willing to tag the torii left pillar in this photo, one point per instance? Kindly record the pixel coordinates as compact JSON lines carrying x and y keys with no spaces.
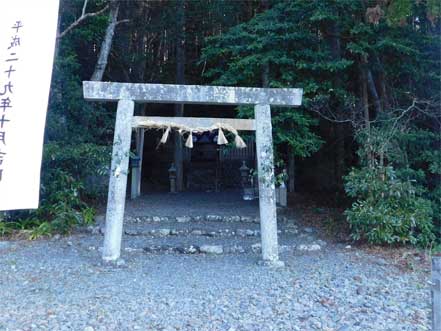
{"x":118,"y":180}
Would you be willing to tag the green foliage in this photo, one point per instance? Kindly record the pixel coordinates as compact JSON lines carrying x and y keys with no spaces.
{"x":399,"y":11}
{"x":61,"y":207}
{"x":276,"y":39}
{"x":436,"y":250}
{"x":387,"y":210}
{"x":66,"y":170}
{"x":434,"y":8}
{"x":398,"y":187}
{"x":404,"y":47}
{"x":5,"y":228}
{"x":86,"y":165}
{"x":71,"y":119}
{"x":292,"y":128}
{"x":44,"y":229}
{"x":64,"y":189}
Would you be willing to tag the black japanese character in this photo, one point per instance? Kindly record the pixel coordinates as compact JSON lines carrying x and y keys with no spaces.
{"x":11,"y":69}
{"x":3,"y":120}
{"x":17,"y":26}
{"x":5,"y":103}
{"x":12,"y":58}
{"x":7,"y":88}
{"x":3,"y":137}
{"x":14,"y":42}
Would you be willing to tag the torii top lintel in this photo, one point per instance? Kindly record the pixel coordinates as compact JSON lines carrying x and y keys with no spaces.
{"x":197,"y":94}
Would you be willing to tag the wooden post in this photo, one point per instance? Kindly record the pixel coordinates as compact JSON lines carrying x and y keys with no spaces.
{"x":137,"y":172}
{"x":267,"y":196}
{"x":436,"y":293}
{"x":283,"y":195}
{"x":140,"y":152}
{"x":135,"y":178}
{"x":118,"y":180}
{"x":178,"y":160}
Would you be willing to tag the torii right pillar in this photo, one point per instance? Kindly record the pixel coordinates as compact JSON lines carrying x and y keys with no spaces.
{"x":267,"y":195}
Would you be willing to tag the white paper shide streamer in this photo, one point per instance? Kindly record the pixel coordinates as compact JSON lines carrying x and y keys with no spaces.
{"x":182,"y":129}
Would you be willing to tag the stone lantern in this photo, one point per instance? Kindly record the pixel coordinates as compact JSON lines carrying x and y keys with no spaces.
{"x":248,"y":190}
{"x":172,"y":177}
{"x":244,"y":173}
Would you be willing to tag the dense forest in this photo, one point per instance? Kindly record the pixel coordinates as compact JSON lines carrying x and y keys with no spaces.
{"x":367,"y":135}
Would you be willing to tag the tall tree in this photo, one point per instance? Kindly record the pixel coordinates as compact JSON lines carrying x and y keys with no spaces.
{"x":106,"y":45}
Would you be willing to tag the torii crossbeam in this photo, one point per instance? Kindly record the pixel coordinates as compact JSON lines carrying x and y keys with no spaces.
{"x":127,"y":94}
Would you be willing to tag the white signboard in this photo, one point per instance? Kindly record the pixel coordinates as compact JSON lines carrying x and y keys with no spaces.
{"x":27,"y":41}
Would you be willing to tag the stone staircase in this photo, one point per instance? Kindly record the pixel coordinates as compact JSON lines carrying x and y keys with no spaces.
{"x":209,"y":234}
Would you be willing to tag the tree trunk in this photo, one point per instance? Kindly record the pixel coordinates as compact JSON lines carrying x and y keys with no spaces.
{"x":365,"y":107}
{"x":139,"y":36}
{"x":106,"y":45}
{"x":180,"y":79}
{"x":333,"y":38}
{"x":383,"y":91}
{"x":365,"y":99}
{"x":58,"y":93}
{"x":373,"y":92}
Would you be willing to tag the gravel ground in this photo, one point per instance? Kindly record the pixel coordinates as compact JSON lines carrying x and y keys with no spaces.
{"x":61,"y":284}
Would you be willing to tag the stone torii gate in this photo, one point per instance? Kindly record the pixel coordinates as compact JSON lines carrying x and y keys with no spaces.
{"x":127,"y":94}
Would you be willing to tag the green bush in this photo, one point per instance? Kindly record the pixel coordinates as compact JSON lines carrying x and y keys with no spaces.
{"x":387,"y":209}
{"x":86,"y":164}
{"x":64,"y":193}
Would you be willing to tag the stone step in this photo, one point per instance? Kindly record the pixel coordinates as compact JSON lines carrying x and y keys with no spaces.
{"x":216,"y":248}
{"x":179,"y":244}
{"x":165,"y":232}
{"x":198,"y":228}
{"x":203,"y":247}
{"x":209,"y":234}
{"x":223,"y":233}
{"x":199,"y":218}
